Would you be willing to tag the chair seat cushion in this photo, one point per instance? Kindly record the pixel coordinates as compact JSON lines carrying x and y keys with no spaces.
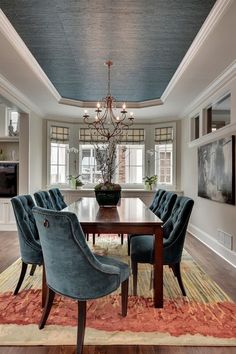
{"x":142,"y":249}
{"x":124,"y":268}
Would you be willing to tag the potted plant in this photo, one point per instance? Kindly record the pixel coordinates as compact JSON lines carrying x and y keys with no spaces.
{"x":107,"y":193}
{"x":75,"y":182}
{"x":149,"y":182}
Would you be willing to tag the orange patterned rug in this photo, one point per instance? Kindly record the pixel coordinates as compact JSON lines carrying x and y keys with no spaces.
{"x":205,"y":317}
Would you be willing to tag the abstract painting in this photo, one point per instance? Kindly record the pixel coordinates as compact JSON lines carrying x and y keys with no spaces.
{"x":216,"y":170}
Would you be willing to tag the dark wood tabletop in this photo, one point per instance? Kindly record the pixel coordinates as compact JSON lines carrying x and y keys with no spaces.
{"x":129,"y":217}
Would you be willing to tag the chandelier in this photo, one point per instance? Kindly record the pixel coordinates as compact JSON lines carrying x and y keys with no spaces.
{"x":106,"y":123}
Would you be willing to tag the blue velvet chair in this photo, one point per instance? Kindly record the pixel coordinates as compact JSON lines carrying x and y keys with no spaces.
{"x":72,"y":269}
{"x":174,"y":230}
{"x":43,"y":200}
{"x":57,"y":199}
{"x":163,"y":208}
{"x":30,"y":248}
{"x":157,"y":198}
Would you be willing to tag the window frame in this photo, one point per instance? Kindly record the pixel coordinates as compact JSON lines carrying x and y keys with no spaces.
{"x":174,"y":155}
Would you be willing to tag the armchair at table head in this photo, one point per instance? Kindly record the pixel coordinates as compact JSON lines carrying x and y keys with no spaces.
{"x":157,"y":198}
{"x":43,"y":200}
{"x":30,"y":248}
{"x":174,"y":231}
{"x":57,"y":199}
{"x":72,"y":269}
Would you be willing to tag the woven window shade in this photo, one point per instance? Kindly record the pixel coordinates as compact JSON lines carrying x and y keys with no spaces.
{"x":129,"y":136}
{"x":59,"y":135}
{"x":164,"y":135}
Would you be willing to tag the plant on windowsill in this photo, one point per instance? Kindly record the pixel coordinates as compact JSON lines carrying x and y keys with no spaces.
{"x":107,"y":193}
{"x":75,"y":182}
{"x":149,"y":182}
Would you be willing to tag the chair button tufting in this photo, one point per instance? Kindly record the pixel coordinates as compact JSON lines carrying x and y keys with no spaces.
{"x":46,"y":223}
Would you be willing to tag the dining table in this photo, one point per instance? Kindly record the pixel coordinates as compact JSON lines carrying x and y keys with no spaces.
{"x":130,"y":216}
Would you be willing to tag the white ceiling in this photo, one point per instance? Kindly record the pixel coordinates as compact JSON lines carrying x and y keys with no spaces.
{"x":24,"y":83}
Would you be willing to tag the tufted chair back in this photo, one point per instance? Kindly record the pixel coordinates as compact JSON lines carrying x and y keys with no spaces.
{"x":30,"y":248}
{"x":166,"y":204}
{"x":71,"y":267}
{"x":73,"y":270}
{"x":174,"y":230}
{"x":57,"y":199}
{"x":157,"y":199}
{"x":43,"y":200}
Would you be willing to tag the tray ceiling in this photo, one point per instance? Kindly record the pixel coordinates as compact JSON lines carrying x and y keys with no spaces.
{"x":72,"y":39}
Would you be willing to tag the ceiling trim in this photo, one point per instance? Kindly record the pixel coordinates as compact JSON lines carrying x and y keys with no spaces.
{"x":213,"y":18}
{"x":13,"y":37}
{"x":91,"y":104}
{"x":227,"y":75}
{"x":11,"y":93}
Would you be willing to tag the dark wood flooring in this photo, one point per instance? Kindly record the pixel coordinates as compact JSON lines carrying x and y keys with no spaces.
{"x":214,"y":266}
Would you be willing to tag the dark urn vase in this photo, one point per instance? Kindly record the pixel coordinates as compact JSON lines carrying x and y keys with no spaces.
{"x":108,"y":198}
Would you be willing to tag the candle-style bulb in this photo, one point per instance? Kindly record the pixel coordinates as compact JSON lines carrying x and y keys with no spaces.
{"x":124,"y":106}
{"x":98,"y":105}
{"x":85,"y":111}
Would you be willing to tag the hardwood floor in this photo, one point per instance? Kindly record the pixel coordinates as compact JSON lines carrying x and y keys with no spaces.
{"x":214,"y":266}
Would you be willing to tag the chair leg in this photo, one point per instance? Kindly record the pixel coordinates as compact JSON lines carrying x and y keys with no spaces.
{"x":134,"y":266}
{"x":87,"y":237}
{"x":128,"y":244}
{"x":94,"y":239}
{"x":33,"y":269}
{"x":47,"y":307}
{"x":177,"y":273}
{"x":124,"y":297}
{"x":22,"y":275}
{"x":81,"y":326}
{"x":122,"y":238}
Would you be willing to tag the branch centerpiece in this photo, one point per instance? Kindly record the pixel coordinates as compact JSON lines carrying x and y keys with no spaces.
{"x":107,"y":193}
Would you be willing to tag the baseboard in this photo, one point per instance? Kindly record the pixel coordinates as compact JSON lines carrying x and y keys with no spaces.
{"x":8,"y":227}
{"x":209,"y":241}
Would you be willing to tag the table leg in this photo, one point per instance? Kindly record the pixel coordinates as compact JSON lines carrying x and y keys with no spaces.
{"x":158,"y":268}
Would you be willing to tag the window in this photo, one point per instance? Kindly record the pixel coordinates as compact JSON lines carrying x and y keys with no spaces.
{"x":218,"y":115}
{"x":59,"y":162}
{"x":195,"y":129}
{"x":164,"y":154}
{"x":12,"y":123}
{"x":89,"y":167}
{"x":130,"y":163}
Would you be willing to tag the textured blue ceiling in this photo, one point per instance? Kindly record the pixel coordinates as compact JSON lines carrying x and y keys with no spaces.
{"x":71,"y":40}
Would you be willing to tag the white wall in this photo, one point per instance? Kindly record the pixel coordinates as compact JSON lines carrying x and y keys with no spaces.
{"x":35,"y":152}
{"x":208,"y":216}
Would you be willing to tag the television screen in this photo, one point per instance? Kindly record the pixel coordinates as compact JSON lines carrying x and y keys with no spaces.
{"x":8,"y":180}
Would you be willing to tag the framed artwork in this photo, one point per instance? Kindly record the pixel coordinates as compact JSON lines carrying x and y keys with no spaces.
{"x":216,"y":170}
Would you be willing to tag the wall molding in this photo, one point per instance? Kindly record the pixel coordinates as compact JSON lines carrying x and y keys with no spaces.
{"x":213,"y":18}
{"x":224,"y":78}
{"x":211,"y":242}
{"x":12,"y":94}
{"x":91,"y":104}
{"x":13,"y":37}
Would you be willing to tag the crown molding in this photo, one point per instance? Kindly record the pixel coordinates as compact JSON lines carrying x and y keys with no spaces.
{"x":12,"y":94}
{"x":12,"y":36}
{"x":92,"y":104}
{"x":226,"y":76}
{"x":213,"y":18}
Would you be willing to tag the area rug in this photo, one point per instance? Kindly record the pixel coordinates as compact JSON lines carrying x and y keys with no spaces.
{"x":207,"y":316}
